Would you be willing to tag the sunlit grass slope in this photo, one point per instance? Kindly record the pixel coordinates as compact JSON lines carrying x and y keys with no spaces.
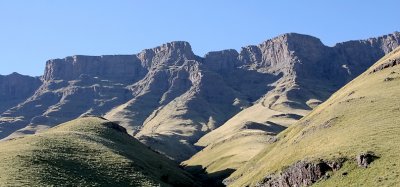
{"x":362,"y":116}
{"x":87,"y":151}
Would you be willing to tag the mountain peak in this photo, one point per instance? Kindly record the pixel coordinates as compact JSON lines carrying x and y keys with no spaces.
{"x":168,"y":52}
{"x":295,"y":39}
{"x":171,"y":46}
{"x":298,"y":35}
{"x":13,"y":74}
{"x":178,"y":44}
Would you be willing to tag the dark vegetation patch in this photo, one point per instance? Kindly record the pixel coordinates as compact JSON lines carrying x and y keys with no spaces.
{"x":352,"y":99}
{"x":388,"y":79}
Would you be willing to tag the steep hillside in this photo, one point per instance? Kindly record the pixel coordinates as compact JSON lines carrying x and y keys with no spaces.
{"x":311,"y":73}
{"x":86,"y":152}
{"x":169,"y":98}
{"x":352,"y":139}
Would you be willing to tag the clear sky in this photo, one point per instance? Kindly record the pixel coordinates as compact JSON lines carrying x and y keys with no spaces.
{"x":32,"y":32}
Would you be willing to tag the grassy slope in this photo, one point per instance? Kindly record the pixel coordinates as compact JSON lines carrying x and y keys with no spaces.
{"x":226,"y":156}
{"x":85,"y":152}
{"x":233,"y":144}
{"x":363,"y":115}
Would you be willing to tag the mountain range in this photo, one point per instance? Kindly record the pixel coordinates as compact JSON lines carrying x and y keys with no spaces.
{"x":352,"y":139}
{"x":214,"y":112}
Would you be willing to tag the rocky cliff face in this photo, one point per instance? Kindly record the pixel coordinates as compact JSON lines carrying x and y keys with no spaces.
{"x":73,"y":87}
{"x":184,"y":96}
{"x":15,"y":88}
{"x":169,"y":98}
{"x":121,"y":68}
{"x":310,"y":73}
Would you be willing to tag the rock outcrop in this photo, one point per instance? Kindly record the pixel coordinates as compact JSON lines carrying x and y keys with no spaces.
{"x":364,"y":159}
{"x":300,"y":174}
{"x":390,"y":63}
{"x":169,"y":98}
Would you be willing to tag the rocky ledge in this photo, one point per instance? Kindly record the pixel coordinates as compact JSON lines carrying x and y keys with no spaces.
{"x":301,"y":174}
{"x":388,"y":64}
{"x":305,"y":173}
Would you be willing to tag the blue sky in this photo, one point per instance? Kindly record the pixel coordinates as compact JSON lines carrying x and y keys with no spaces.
{"x":32,"y":32}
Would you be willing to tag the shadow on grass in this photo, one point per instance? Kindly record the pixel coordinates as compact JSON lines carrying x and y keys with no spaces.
{"x":267,"y":127}
{"x":209,"y":179}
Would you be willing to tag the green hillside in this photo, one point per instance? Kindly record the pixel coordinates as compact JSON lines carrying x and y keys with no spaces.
{"x":363,"y":116}
{"x":86,"y":152}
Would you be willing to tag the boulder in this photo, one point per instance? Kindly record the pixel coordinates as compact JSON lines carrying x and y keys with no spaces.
{"x":365,"y":159}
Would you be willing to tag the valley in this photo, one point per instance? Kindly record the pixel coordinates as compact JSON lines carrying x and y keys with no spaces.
{"x":231,"y":117}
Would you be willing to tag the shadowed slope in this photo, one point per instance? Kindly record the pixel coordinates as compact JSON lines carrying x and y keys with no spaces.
{"x":85,"y":152}
{"x":15,"y":88}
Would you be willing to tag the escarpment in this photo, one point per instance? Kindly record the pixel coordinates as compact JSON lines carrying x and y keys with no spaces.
{"x":171,"y":99}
